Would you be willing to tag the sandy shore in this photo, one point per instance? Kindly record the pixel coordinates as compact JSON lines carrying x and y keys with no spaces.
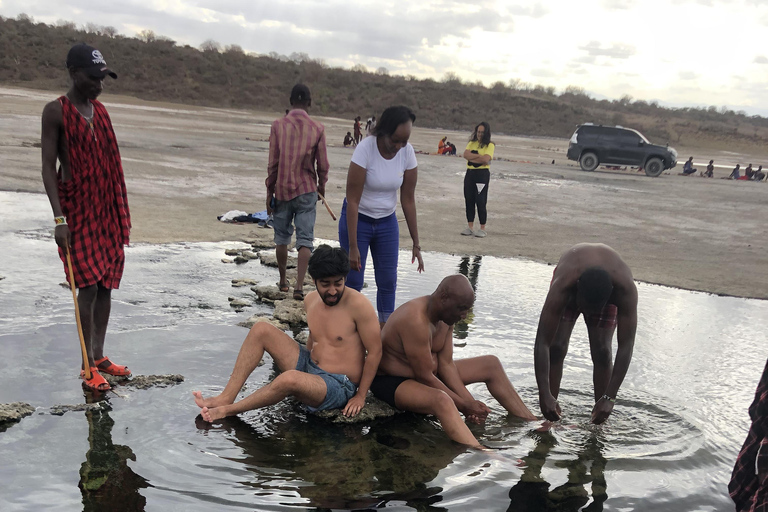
{"x":186,"y":165}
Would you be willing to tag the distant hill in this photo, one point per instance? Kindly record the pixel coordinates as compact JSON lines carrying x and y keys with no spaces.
{"x":153,"y":67}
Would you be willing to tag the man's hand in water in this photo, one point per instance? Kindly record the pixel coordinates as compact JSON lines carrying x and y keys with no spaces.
{"x":550,"y":408}
{"x":601,"y":411}
{"x":354,"y":406}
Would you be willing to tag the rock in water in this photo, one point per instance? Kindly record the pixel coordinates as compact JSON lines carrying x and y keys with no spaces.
{"x":239,"y":303}
{"x":240,"y":259}
{"x":269,"y":259}
{"x":271,"y":293}
{"x":291,"y":312}
{"x":243,"y":281}
{"x":374,"y":408}
{"x":145,"y":381}
{"x":13,"y":412}
{"x":260,"y":318}
{"x":302,"y":337}
{"x":232,"y":252}
{"x":59,"y":410}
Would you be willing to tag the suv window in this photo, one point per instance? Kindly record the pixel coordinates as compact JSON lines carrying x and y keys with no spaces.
{"x":627,"y":137}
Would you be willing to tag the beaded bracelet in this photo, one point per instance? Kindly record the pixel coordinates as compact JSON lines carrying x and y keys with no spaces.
{"x":612,"y":400}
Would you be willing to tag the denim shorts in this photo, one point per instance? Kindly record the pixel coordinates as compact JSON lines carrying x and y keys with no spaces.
{"x":299,"y":211}
{"x":339,"y":388}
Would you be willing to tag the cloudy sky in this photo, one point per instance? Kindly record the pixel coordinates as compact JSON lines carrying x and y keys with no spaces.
{"x":677,"y":52}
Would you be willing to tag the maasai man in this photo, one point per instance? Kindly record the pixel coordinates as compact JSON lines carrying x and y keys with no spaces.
{"x":88,"y":199}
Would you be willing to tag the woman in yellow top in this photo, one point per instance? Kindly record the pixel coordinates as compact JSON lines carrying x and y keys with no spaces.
{"x":478,"y":154}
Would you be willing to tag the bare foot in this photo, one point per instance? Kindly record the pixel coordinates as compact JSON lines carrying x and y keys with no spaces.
{"x":214,"y":401}
{"x":212,"y":414}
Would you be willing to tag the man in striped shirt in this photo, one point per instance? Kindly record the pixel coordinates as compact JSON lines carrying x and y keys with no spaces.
{"x":296,"y":174}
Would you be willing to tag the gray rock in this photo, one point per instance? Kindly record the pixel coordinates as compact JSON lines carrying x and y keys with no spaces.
{"x":232,"y":252}
{"x":302,"y":337}
{"x":291,"y":312}
{"x":241,"y":259}
{"x":269,"y":259}
{"x":13,"y":412}
{"x":237,"y":283}
{"x":270,"y":293}
{"x":145,"y":381}
{"x":292,"y":274}
{"x":59,"y":410}
{"x":261,"y":318}
{"x":374,"y":409}
{"x":258,"y":245}
{"x":226,"y":260}
{"x":239,"y":303}
{"x":250,"y":255}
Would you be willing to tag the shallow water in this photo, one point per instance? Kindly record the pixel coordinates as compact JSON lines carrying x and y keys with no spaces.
{"x":669,"y":445}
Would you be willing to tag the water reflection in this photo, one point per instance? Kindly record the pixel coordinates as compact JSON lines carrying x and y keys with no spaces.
{"x":532,"y":492}
{"x":106,"y":480}
{"x":340,"y":466}
{"x":471,"y":270}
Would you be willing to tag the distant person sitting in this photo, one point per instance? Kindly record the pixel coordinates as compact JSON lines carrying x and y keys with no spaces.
{"x":759,"y":174}
{"x":688,"y":168}
{"x":450,"y":149}
{"x":348,"y":140}
{"x":441,"y":146}
{"x":748,"y":172}
{"x":710,"y":170}
{"x":734,"y":174}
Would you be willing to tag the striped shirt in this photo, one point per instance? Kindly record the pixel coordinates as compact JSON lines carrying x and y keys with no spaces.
{"x":296,"y":142}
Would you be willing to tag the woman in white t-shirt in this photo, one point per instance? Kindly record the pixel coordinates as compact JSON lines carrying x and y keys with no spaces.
{"x":381,"y":165}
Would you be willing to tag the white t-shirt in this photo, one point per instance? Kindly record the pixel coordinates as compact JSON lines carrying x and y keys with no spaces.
{"x":383,"y":178}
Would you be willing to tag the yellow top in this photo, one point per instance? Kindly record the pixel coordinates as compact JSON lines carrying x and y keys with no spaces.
{"x":474,"y":146}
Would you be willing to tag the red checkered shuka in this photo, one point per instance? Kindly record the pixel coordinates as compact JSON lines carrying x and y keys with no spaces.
{"x":94,"y":200}
{"x":747,"y":491}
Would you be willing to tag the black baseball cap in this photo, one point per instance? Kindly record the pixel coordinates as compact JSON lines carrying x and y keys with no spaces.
{"x":90,"y":60}
{"x":300,"y":94}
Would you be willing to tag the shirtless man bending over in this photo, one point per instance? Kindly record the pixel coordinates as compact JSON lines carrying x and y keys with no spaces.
{"x":591,"y":279}
{"x":417,"y":372}
{"x":333,"y":371}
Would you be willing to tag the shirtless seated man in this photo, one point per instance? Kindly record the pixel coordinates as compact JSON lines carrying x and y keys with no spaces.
{"x":333,"y":371}
{"x":593,"y":280}
{"x":417,"y":372}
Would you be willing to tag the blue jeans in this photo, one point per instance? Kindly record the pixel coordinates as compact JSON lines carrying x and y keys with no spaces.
{"x":383,"y":238}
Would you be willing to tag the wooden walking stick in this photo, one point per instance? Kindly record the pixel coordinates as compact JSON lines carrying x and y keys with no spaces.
{"x":86,"y":365}
{"x":326,"y":205}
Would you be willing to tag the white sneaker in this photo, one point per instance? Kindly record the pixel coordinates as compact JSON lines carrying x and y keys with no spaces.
{"x":480,"y":233}
{"x":467,"y":232}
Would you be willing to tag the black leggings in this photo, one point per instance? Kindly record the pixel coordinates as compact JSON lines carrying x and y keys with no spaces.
{"x":472,"y":197}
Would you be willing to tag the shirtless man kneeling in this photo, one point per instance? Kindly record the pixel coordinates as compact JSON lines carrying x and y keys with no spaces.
{"x":333,"y":371}
{"x":417,"y":372}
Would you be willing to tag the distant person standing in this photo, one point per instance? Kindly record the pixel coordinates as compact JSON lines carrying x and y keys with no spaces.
{"x":479,"y":153}
{"x":296,"y":145}
{"x":593,"y":280}
{"x":88,"y":198}
{"x":381,"y":165}
{"x":357,"y":130}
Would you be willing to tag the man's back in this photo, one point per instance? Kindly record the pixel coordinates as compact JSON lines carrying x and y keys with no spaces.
{"x":296,"y":142}
{"x":336,"y":343}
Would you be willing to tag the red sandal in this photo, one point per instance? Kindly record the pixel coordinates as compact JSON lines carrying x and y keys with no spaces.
{"x":107,"y":366}
{"x":96,"y":382}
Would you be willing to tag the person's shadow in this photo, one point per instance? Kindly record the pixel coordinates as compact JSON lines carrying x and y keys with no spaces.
{"x":471,"y":271}
{"x":106,"y":480}
{"x":532,"y":493}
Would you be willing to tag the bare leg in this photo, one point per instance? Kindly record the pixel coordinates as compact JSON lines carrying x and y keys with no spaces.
{"x":101,"y":309}
{"x":419,"y":398}
{"x":261,"y":337}
{"x":471,"y":225}
{"x":86,"y":300}
{"x":309,"y":389}
{"x":557,"y":353}
{"x":281,"y":253}
{"x":488,"y":369}
{"x":602,"y":357}
{"x":301,"y":266}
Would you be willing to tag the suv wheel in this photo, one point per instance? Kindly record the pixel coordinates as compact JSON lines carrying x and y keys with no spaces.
{"x":588,"y":161}
{"x":654,"y":167}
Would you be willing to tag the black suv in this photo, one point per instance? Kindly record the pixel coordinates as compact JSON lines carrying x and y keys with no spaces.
{"x":592,"y":145}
